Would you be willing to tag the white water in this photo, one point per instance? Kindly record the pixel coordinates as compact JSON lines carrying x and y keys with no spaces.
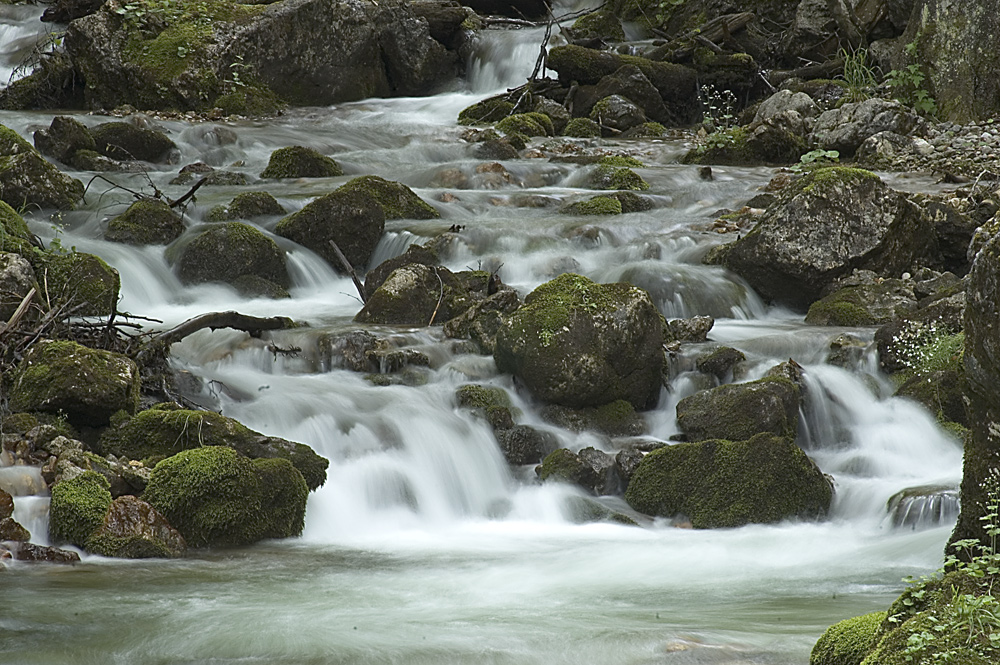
{"x":423,"y":546}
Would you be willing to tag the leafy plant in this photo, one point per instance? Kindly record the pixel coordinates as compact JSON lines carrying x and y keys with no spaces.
{"x":907,"y":85}
{"x":816,"y":159}
{"x":718,"y":108}
{"x":858,"y":74}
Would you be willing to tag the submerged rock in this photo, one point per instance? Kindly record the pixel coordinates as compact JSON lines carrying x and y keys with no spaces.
{"x":579,"y":344}
{"x":724,"y":484}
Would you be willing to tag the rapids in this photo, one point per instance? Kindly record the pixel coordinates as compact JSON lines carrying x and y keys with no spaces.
{"x":423,"y":546}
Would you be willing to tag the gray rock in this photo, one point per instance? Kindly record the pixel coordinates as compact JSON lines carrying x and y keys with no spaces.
{"x":737,"y":412}
{"x":845,"y":129}
{"x":16,"y":279}
{"x":226,"y":252}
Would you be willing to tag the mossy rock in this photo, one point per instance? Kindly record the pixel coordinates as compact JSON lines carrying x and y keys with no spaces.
{"x":283,"y":497}
{"x":597,"y":205}
{"x":602,"y":24}
{"x":87,"y":385}
{"x":125,"y":142}
{"x":397,"y":200}
{"x":78,"y":508}
{"x":738,"y":411}
{"x":616,"y":418}
{"x":726,"y":147}
{"x":252,"y":100}
{"x":482,"y":397}
{"x":353,"y":219}
{"x":864,"y":305}
{"x":375,"y":277}
{"x":849,"y":641}
{"x":487,"y":111}
{"x":298,"y":161}
{"x":578,"y":343}
{"x":940,"y":392}
{"x":28,"y":180}
{"x":14,"y":234}
{"x":160,"y":432}
{"x":720,"y":362}
{"x":146,"y":222}
{"x":582,"y":128}
{"x":566,"y":466}
{"x":212,"y":495}
{"x":12,"y":143}
{"x":64,"y":137}
{"x":647,"y":130}
{"x":528,"y":124}
{"x":133,"y":529}
{"x":83,"y":281}
{"x":228,"y":251}
{"x":722,"y":484}
{"x":255,"y":286}
{"x":247,"y":205}
{"x":420,"y":295}
{"x":619,"y":178}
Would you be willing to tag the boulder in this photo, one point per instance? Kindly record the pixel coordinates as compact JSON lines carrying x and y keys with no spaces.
{"x":522,"y":444}
{"x":738,"y":411}
{"x":397,"y":200}
{"x":16,"y":280}
{"x":78,"y":508}
{"x":247,"y":205}
{"x":695,"y":329}
{"x":87,"y":385}
{"x":283,"y":497}
{"x":83,"y":282}
{"x":228,"y":251}
{"x":14,"y":234}
{"x":582,"y":128}
{"x":6,"y":504}
{"x":617,"y":418}
{"x":565,"y":466}
{"x":677,"y":85}
{"x":64,"y":11}
{"x":353,"y":220}
{"x":601,"y":24}
{"x":127,"y":142}
{"x":308,"y":52}
{"x":617,"y":113}
{"x":36,"y":553}
{"x":420,"y":295}
{"x":786,"y":100}
{"x":579,"y":344}
{"x":481,"y":322}
{"x":885,"y":151}
{"x":63,"y":138}
{"x":849,"y":641}
{"x":864,"y":305}
{"x":725,"y":484}
{"x":160,"y":432}
{"x":375,"y":277}
{"x":27,"y":180}
{"x":146,"y":222}
{"x":298,"y":161}
{"x":720,"y":362}
{"x":844,"y":129}
{"x":825,"y":225}
{"x":133,"y":529}
{"x":11,"y":530}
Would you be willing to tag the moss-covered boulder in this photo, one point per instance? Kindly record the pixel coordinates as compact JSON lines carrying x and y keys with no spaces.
{"x":283,"y":497}
{"x":133,"y":529}
{"x":578,"y":343}
{"x":565,"y":466}
{"x":940,"y":392}
{"x":247,"y":205}
{"x":27,"y":180}
{"x":849,"y":641}
{"x":527,"y":124}
{"x":84,"y":282}
{"x":617,"y":113}
{"x":78,"y":508}
{"x":146,"y":222}
{"x":490,"y":110}
{"x":421,"y":295}
{"x":607,"y":176}
{"x":481,"y":322}
{"x":738,"y":411}
{"x":596,"y":205}
{"x":864,"y":305}
{"x":87,"y":385}
{"x":602,"y":24}
{"x":824,"y":226}
{"x":582,"y":128}
{"x":126,"y":142}
{"x":64,"y":137}
{"x":228,"y":251}
{"x":489,"y":402}
{"x":721,"y":484}
{"x":14,"y":234}
{"x":616,"y":418}
{"x":397,"y":200}
{"x":353,"y":220}
{"x":297,"y":161}
{"x":161,"y":432}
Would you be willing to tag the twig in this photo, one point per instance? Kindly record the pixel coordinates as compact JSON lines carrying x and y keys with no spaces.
{"x":190,"y":193}
{"x":15,"y":318}
{"x":277,"y":350}
{"x":350,"y":269}
{"x":440,"y":298}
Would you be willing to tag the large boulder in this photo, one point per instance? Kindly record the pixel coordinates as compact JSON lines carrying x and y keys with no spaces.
{"x":629,"y":82}
{"x":314,"y":52}
{"x":14,"y":234}
{"x":720,"y":484}
{"x":397,"y":200}
{"x":421,"y":295}
{"x":85,"y":283}
{"x":126,"y":142}
{"x":16,"y":280}
{"x":844,"y":129}
{"x":87,"y":385}
{"x":824,"y":226}
{"x":133,"y":529}
{"x":164,"y":431}
{"x":63,"y":138}
{"x":578,"y":343}
{"x":216,"y":497}
{"x":849,"y":641}
{"x":296,"y":161}
{"x":482,"y":321}
{"x":738,"y":411}
{"x":145,"y":222}
{"x":78,"y":508}
{"x":864,"y":305}
{"x":229,"y":251}
{"x":353,"y":220}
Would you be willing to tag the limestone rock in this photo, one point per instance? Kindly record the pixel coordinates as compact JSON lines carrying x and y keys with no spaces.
{"x":133,"y":529}
{"x":844,"y":129}
{"x":738,"y":411}
{"x":354,"y":220}
{"x":124,"y":141}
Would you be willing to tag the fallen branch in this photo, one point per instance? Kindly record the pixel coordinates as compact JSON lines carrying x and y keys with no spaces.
{"x":189,"y":194}
{"x":350,"y":270}
{"x":812,"y":71}
{"x":253,"y":325}
{"x":440,"y":298}
{"x":15,"y":318}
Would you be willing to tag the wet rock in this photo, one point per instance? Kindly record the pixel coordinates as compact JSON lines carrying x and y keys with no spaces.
{"x":146,"y":222}
{"x":16,"y":279}
{"x":828,"y":223}
{"x":133,"y":529}
{"x":6,"y":504}
{"x":83,"y":282}
{"x":255,"y":286}
{"x":579,"y":344}
{"x":940,"y":392}
{"x":64,"y":11}
{"x":695,"y":329}
{"x":87,"y":385}
{"x":228,"y":251}
{"x":864,"y":305}
{"x":596,"y":205}
{"x":608,"y":176}
{"x":497,"y":149}
{"x":298,"y":161}
{"x":885,"y":151}
{"x":14,"y":234}
{"x":397,"y":200}
{"x":615,"y":419}
{"x":482,"y":321}
{"x":846,"y":351}
{"x":720,"y":362}
{"x":922,"y":507}
{"x":125,"y":142}
{"x":629,"y":83}
{"x":850,"y":640}
{"x":63,"y":138}
{"x":522,"y":444}
{"x":617,"y":113}
{"x":78,"y":508}
{"x":212,"y":177}
{"x":725,"y":484}
{"x":738,"y":411}
{"x":565,"y":466}
{"x":844,"y":129}
{"x":444,"y":19}
{"x":583,"y":128}
{"x":353,"y":220}
{"x":248,"y":205}
{"x":350,"y":351}
{"x":601,"y":24}
{"x":26,"y":179}
{"x":36,"y":553}
{"x":489,"y":402}
{"x":420,"y":295}
{"x":555,"y":111}
{"x":11,"y":530}
{"x":164,"y":431}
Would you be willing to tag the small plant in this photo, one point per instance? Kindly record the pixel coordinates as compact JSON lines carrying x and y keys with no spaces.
{"x":816,"y":159}
{"x":858,"y":74}
{"x":907,"y":85}
{"x":718,"y":108}
{"x":928,"y":347}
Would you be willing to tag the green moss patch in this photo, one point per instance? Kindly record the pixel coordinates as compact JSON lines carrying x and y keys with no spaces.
{"x":78,"y":507}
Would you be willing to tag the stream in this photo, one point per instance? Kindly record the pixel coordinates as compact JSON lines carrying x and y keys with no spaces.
{"x":423,"y":546}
